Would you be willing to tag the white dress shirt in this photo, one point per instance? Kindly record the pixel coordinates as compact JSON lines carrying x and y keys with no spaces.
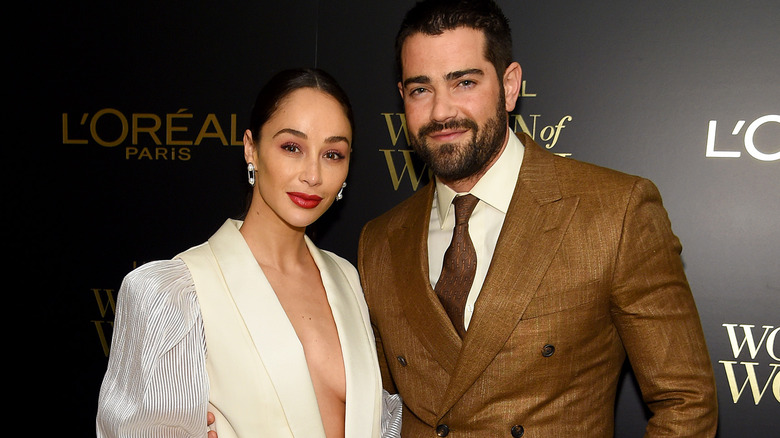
{"x":494,"y":191}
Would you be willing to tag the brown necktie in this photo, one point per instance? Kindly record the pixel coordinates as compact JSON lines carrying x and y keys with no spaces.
{"x":460,"y":264}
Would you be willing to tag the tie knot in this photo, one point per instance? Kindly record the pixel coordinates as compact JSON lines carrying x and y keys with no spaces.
{"x":464,"y":206}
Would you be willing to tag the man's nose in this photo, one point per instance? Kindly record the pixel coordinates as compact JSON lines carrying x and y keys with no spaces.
{"x":443,"y":108}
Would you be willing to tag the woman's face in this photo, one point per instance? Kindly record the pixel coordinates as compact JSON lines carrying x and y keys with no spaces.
{"x":301,"y":157}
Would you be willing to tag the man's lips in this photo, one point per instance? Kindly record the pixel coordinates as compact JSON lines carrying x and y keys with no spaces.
{"x":304,"y":200}
{"x":447,"y":135}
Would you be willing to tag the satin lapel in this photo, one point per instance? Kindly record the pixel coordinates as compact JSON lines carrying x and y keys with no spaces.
{"x":532,"y":232}
{"x":357,"y":346}
{"x":271,"y":331}
{"x":422,"y":308}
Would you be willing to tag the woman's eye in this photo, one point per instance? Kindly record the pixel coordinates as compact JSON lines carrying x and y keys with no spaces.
{"x":291,"y":147}
{"x":333,"y":155}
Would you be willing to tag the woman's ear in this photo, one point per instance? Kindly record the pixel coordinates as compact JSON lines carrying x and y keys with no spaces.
{"x":250,"y":149}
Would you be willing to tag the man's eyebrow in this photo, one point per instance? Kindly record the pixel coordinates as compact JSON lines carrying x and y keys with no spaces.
{"x":422,"y":79}
{"x":417,"y":80}
{"x":460,"y":73}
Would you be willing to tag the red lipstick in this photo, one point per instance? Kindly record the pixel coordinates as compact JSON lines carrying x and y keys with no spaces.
{"x":304,"y":200}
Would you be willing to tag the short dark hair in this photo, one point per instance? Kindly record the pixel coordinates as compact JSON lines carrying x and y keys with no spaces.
{"x":433,"y":17}
{"x":283,"y":83}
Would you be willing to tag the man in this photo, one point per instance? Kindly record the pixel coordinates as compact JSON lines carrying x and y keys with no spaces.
{"x":576,"y":266}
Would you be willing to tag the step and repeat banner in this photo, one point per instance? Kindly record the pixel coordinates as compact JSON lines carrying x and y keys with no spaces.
{"x":139,"y":109}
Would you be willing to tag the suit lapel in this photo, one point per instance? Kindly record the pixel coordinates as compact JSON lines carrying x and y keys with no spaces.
{"x":422,"y":308}
{"x":532,"y":232}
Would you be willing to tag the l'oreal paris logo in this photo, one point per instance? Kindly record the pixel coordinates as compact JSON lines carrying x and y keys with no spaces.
{"x":762,"y":152}
{"x":148,"y":135}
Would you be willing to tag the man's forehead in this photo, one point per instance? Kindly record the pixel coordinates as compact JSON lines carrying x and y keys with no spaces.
{"x":458,"y":36}
{"x":443,"y":55}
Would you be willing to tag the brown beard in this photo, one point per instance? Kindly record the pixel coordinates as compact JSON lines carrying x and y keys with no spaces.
{"x":454,"y":162}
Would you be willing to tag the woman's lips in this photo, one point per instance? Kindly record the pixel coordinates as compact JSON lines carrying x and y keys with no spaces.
{"x":304,"y":200}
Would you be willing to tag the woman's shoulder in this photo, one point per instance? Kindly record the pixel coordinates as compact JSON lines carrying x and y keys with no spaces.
{"x":158,"y":276}
{"x":158,"y":285}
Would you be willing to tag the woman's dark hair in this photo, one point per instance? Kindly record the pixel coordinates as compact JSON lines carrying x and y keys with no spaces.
{"x":282,"y":84}
{"x":433,"y":17}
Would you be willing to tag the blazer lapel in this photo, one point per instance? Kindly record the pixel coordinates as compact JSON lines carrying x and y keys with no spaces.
{"x":271,"y":331}
{"x":532,"y":232}
{"x":422,"y":308}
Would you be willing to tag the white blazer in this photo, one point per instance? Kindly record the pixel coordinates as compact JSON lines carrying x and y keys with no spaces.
{"x":259,"y":382}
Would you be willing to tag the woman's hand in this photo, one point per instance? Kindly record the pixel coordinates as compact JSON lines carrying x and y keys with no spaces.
{"x":209,"y":421}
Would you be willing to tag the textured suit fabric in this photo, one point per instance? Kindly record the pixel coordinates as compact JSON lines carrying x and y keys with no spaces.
{"x":586,"y":272}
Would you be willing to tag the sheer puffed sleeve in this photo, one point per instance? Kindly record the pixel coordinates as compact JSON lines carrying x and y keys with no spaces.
{"x":392,"y":407}
{"x":156,"y":383}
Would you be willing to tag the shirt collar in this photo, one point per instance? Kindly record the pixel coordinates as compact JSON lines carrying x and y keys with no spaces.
{"x":496,"y":186}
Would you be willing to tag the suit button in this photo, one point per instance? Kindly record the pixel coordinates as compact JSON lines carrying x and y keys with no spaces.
{"x":548,"y":350}
{"x":517,"y":431}
{"x":401,"y":360}
{"x":442,"y":430}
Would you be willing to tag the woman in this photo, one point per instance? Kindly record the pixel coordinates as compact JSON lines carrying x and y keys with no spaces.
{"x":257,"y":325}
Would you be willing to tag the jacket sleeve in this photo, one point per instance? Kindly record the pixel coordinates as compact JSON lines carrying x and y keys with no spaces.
{"x":654,"y":312}
{"x":156,"y":383}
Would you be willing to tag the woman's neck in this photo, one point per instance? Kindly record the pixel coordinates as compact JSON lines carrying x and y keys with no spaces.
{"x":274,"y":243}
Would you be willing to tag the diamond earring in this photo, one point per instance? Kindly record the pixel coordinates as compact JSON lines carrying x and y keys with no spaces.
{"x":341,"y":192}
{"x":250,"y":170}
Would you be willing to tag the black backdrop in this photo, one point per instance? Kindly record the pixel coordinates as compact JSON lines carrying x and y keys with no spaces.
{"x":685,"y":93}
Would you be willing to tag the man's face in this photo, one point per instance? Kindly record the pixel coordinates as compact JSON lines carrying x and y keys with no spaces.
{"x":454,"y":101}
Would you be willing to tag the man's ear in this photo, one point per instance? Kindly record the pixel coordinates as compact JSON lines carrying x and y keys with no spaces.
{"x":513,"y":79}
{"x":401,"y":89}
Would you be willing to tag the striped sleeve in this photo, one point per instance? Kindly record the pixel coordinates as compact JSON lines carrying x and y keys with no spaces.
{"x":392,"y":408}
{"x":156,"y":383}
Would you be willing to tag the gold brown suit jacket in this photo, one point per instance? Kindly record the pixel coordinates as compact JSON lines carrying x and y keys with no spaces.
{"x":586,"y":272}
